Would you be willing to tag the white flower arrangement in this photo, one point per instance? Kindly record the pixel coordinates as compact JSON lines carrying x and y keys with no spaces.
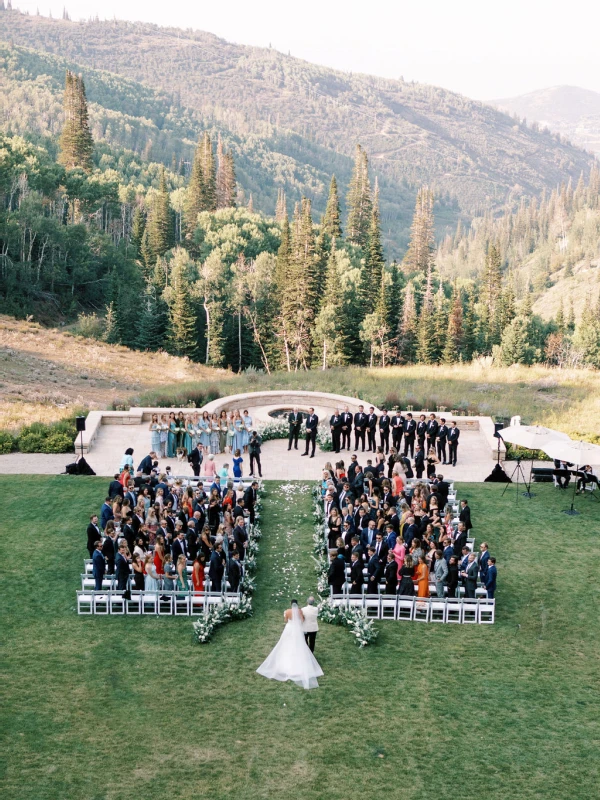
{"x":355,"y":619}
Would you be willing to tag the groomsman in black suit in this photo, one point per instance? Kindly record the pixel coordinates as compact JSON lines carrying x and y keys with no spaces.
{"x":360,"y":426}
{"x":346,"y":429}
{"x":312,"y":423}
{"x":421,"y":431}
{"x":397,"y":430}
{"x":410,"y":428}
{"x":442,"y":435}
{"x":372,"y":430}
{"x":295,"y":423}
{"x":356,"y":574}
{"x":93,"y":534}
{"x":432,"y":429}
{"x":384,"y":430}
{"x":335,"y":423}
{"x":419,"y":461}
{"x":453,"y":435}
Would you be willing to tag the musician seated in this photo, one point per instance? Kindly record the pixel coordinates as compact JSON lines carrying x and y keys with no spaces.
{"x":562,"y":473}
{"x":585,"y":476}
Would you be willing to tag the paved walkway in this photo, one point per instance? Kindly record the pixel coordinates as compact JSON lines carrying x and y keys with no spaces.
{"x":475,"y":461}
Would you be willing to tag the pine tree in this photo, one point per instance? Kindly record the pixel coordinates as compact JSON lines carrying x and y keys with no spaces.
{"x":285,"y":298}
{"x":469,"y":328}
{"x":76,"y":143}
{"x":453,"y":347}
{"x":152,"y":321}
{"x":491,"y":288}
{"x":426,"y":335}
{"x":419,"y":256}
{"x":383,"y":315}
{"x":374,"y":263}
{"x":440,"y":324}
{"x":111,"y":333}
{"x":586,"y":338}
{"x":560,"y":318}
{"x":359,"y":201}
{"x":138,"y":227}
{"x":407,"y":338}
{"x":195,"y":191}
{"x":250,"y":205}
{"x":183,"y":336}
{"x":331,"y":224}
{"x":281,"y":207}
{"x":209,"y":175}
{"x":161,"y":223}
{"x":571,"y":317}
{"x":329,"y":334}
{"x":304,"y":282}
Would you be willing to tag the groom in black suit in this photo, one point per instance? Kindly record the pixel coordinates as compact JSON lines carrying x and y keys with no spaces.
{"x":295,"y":423}
{"x":312,"y":423}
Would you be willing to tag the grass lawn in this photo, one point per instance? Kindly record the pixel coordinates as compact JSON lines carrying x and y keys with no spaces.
{"x":108,"y":708}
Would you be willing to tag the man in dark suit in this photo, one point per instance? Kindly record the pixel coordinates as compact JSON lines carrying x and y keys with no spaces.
{"x":216,"y":568}
{"x":397,"y":430}
{"x":410,"y":531}
{"x":295,"y":423}
{"x":240,"y":537}
{"x":122,"y":569}
{"x":372,"y":430}
{"x":374,"y":572}
{"x":336,"y":576}
{"x":312,"y":423}
{"x":359,"y":481}
{"x":442,"y":435}
{"x":421,"y":431}
{"x":432,"y":428}
{"x":234,"y":572}
{"x":98,"y":565}
{"x":484,"y":560}
{"x":490,"y":578}
{"x":238,"y":511}
{"x":381,"y":550}
{"x":369,"y":535}
{"x":352,"y":468}
{"x":470,"y":576}
{"x":344,"y":495}
{"x":461,"y":539}
{"x":356,"y":573}
{"x":250,"y":498}
{"x":335,"y":425}
{"x":453,"y":435}
{"x":93,"y":534}
{"x":179,"y":546}
{"x":106,"y":513}
{"x":145,"y":466}
{"x":419,"y":461}
{"x":384,"y":430}
{"x":465,"y":515}
{"x":391,"y":574}
{"x":109,"y":551}
{"x":115,"y":488}
{"x":442,"y":488}
{"x":360,"y":426}
{"x":346,"y":428}
{"x":196,"y":458}
{"x":410,"y":429}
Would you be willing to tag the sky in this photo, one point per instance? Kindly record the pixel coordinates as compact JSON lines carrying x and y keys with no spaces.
{"x":481,"y":49}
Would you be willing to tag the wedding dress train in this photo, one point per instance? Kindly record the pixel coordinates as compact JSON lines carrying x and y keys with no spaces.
{"x":291,"y":658}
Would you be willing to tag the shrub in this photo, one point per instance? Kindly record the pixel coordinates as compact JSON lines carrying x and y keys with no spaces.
{"x":90,"y":326}
{"x":8,"y":443}
{"x":58,"y":437}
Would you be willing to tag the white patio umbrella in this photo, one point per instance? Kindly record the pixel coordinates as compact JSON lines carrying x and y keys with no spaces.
{"x":574,"y":452}
{"x":533,"y":437}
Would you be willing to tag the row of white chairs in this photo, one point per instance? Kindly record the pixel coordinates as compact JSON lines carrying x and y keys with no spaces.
{"x":421,"y":609}
{"x":109,"y":582}
{"x":177,"y":603}
{"x":480,"y":592}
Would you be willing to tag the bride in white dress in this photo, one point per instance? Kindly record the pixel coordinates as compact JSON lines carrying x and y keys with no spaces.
{"x":291,"y":659}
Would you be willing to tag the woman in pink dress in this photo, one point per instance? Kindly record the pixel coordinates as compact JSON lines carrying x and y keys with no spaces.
{"x":399,"y":552}
{"x":209,"y":467}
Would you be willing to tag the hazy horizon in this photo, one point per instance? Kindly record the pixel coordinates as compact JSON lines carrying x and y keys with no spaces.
{"x":463,"y":48}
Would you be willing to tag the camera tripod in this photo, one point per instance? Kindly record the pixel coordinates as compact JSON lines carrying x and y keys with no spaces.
{"x":520,"y":477}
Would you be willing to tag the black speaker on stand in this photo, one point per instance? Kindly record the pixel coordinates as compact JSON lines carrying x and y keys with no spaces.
{"x":498,"y":475}
{"x":80,"y":424}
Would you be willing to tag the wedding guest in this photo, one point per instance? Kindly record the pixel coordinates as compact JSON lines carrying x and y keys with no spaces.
{"x":440,"y":569}
{"x":254,"y":448}
{"x":181,"y":583}
{"x":407,"y":587}
{"x":336,"y":576}
{"x":356,"y":571}
{"x":127,"y":460}
{"x":421,"y":577}
{"x":234,"y":572}
{"x":170,"y":573}
{"x":151,"y":583}
{"x":470,"y":576}
{"x":198,"y":574}
{"x":216,"y":569}
{"x":93,"y":534}
{"x":122,"y":571}
{"x":452,"y":580}
{"x":490,"y":578}
{"x":98,"y":565}
{"x":154,"y":429}
{"x":391,"y":574}
{"x":138,"y":571}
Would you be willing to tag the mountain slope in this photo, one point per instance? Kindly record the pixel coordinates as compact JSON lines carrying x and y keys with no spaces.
{"x":413,"y":133}
{"x":569,"y":110}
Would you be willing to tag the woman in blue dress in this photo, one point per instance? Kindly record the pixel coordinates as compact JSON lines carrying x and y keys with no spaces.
{"x":205,"y":431}
{"x":215,"y":435}
{"x":237,"y":462}
{"x":238,"y":439}
{"x":187,"y":436}
{"x":230,"y":432}
{"x":195,"y":434}
{"x":172,"y":438}
{"x":155,"y":434}
{"x":247,"y":420}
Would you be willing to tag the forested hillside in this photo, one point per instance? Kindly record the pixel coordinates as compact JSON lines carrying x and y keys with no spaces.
{"x":413,"y":133}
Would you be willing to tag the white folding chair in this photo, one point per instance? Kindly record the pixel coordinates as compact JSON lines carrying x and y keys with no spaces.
{"x":388,"y":606}
{"x":116,"y":603}
{"x":454,"y":610}
{"x":470,"y":614}
{"x":197,"y":603}
{"x":134,"y":604}
{"x":214,"y":598}
{"x":372,"y":603}
{"x":182,"y":604}
{"x":480,"y":593}
{"x":149,"y":603}
{"x":85,"y":602}
{"x":88,"y":583}
{"x":486,"y":612}
{"x":439,"y":609}
{"x":406,"y":608}
{"x":101,"y":603}
{"x":422,"y":609}
{"x":354,"y":601}
{"x":165,"y":603}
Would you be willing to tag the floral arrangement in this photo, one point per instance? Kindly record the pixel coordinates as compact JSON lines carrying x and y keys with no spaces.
{"x":280,"y":430}
{"x":355,"y":619}
{"x":228,"y":611}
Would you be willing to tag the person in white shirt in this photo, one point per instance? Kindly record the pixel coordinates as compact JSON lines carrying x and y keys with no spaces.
{"x":310,"y":626}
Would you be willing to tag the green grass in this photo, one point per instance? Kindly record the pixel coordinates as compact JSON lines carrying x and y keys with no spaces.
{"x":113,"y":708}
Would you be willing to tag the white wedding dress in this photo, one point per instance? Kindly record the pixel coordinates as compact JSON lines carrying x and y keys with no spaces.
{"x":291,"y":658}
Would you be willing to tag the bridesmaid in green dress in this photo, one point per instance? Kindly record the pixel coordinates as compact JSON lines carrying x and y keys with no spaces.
{"x":180,"y":429}
{"x":182,"y":584}
{"x":188,"y":435}
{"x":172,"y":438}
{"x":223,"y":431}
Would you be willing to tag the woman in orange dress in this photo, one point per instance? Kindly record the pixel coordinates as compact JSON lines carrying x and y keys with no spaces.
{"x":198,"y":574}
{"x":421,"y":578}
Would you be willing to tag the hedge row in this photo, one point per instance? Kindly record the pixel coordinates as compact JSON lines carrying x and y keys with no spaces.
{"x":39,"y":437}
